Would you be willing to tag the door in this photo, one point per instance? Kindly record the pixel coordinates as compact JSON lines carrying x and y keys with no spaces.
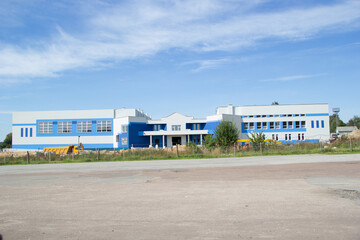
{"x":176,"y":140}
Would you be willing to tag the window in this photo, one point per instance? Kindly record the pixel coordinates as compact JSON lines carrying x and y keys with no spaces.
{"x":317,"y":124}
{"x":251,"y":126}
{"x":117,"y":138}
{"x":22,"y":132}
{"x":273,"y":136}
{"x":83,"y":126}
{"x":31,"y":132}
{"x":286,"y":138}
{"x":302,"y":136}
{"x":296,"y":115}
{"x":302,"y":115}
{"x":271,"y":115}
{"x":289,"y":137}
{"x":289,"y":115}
{"x":26,"y":132}
{"x":176,"y":127}
{"x":246,"y":126}
{"x":284,"y":124}
{"x":124,"y":141}
{"x":276,"y":115}
{"x":251,"y":116}
{"x":277,"y":125}
{"x":290,"y":124}
{"x":45,"y":127}
{"x":312,"y":124}
{"x":299,"y":136}
{"x":297,"y":124}
{"x":283,"y":115}
{"x":103,"y":126}
{"x":303,"y":124}
{"x":196,"y":126}
{"x":276,"y":137}
{"x":271,"y":125}
{"x":264,"y":125}
{"x":245,"y":116}
{"x":322,"y":124}
{"x":263,"y":116}
{"x":258,"y":116}
{"x":65,"y":127}
{"x":124,"y":128}
{"x":258,"y":125}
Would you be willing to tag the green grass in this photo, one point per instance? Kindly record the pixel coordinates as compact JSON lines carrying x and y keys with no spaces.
{"x":338,"y":147}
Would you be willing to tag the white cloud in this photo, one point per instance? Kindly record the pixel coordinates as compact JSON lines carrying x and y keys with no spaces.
{"x":138,"y":29}
{"x":291,"y":78}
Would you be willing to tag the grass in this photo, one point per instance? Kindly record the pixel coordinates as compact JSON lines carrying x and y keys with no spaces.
{"x":337,"y":147}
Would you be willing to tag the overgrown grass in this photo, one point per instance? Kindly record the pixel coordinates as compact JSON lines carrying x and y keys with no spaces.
{"x":190,"y":152}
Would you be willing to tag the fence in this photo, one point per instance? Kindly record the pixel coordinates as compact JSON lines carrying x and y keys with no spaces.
{"x":178,"y":152}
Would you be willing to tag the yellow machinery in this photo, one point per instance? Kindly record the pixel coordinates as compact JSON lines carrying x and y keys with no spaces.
{"x":64,"y":150}
{"x":247,"y":142}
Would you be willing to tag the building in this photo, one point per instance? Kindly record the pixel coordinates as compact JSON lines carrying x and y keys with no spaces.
{"x":126,"y":128}
{"x":345,"y":130}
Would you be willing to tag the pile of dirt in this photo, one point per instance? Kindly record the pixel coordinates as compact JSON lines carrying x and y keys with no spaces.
{"x":355,"y":134}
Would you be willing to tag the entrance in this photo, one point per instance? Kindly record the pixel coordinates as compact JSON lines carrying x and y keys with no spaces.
{"x":157,"y":142}
{"x":176,"y":140}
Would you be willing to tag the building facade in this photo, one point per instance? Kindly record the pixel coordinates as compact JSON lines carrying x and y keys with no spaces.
{"x":126,"y":128}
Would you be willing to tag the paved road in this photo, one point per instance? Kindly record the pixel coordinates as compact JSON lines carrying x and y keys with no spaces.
{"x":176,"y":164}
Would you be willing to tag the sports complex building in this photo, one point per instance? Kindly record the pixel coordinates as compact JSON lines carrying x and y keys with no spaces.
{"x":127,"y":128}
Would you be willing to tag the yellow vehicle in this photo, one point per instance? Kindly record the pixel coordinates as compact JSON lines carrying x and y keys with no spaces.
{"x":64,"y":150}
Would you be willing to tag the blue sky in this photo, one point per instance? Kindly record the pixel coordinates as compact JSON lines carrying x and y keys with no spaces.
{"x":183,"y":56}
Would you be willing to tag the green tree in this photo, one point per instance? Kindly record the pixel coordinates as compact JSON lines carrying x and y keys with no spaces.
{"x":275,"y":103}
{"x":7,"y":143}
{"x":355,"y":121}
{"x":256,"y":139}
{"x":209,"y":141}
{"x":226,"y":134}
{"x":333,"y":123}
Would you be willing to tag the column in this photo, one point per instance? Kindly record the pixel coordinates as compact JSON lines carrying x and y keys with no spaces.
{"x":163,"y":141}
{"x":150,"y":141}
{"x":200,"y":139}
{"x":189,"y":138}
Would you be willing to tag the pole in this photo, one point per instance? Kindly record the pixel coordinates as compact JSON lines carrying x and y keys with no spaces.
{"x":234,"y":149}
{"x":177,"y":150}
{"x":261,"y":150}
{"x":27,"y":157}
{"x":150,"y":153}
{"x":351,"y":146}
{"x":98,"y":155}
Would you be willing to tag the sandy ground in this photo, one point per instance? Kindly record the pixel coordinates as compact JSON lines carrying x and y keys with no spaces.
{"x":289,"y":201}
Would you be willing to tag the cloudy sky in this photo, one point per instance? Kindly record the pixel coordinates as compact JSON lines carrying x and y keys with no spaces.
{"x":184,"y":56}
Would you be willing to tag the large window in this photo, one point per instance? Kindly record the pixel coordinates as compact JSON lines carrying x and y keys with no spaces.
{"x":176,"y":127}
{"x":45,"y":127}
{"x":251,"y":126}
{"x":103,"y":126}
{"x":277,"y":125}
{"x":124,"y":141}
{"x":297,"y":124}
{"x":264,"y":125}
{"x":196,"y":126}
{"x":65,"y":127}
{"x":284,"y":125}
{"x":290,"y":124}
{"x":83,"y":126}
{"x":246,"y":126}
{"x":271,"y":125}
{"x":258,"y":125}
{"x":124,"y":128}
{"x":303,"y":124}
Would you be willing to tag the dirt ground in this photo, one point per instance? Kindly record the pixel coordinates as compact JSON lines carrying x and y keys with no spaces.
{"x":293,"y":201}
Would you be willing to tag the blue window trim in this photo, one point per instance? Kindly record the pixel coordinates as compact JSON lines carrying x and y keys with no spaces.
{"x":74,"y":127}
{"x":24,"y":124}
{"x":317,"y":114}
{"x":22,"y":132}
{"x":31,"y":130}
{"x":317,"y":124}
{"x":26,"y":132}
{"x":322,"y":124}
{"x":312,"y":124}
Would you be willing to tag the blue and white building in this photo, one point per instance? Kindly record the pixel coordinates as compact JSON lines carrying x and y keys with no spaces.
{"x":126,"y":128}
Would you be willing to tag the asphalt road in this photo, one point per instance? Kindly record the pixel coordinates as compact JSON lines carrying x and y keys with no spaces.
{"x":175,"y":164}
{"x":277,"y":197}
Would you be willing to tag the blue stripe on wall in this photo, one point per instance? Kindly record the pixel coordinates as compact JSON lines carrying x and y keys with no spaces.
{"x":41,"y":146}
{"x":24,"y":124}
{"x":316,"y":114}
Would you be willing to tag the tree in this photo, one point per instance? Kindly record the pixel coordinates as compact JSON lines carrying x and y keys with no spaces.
{"x":333,"y":123}
{"x":275,"y":103}
{"x":355,"y":121}
{"x":256,"y":139}
{"x":209,"y":141}
{"x":226,"y":134}
{"x":7,"y":143}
